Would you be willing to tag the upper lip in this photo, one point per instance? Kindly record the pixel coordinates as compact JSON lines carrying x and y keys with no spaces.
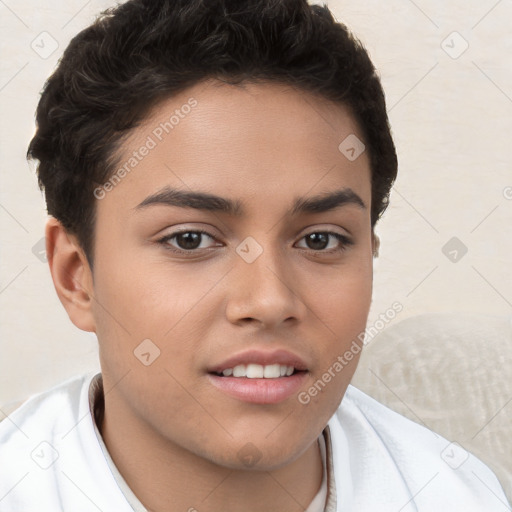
{"x":262,"y":357}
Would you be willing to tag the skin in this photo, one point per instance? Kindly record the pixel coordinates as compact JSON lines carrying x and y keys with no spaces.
{"x":174,"y":437}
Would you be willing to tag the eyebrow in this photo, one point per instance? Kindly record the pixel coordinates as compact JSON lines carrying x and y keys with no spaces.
{"x":209,"y":202}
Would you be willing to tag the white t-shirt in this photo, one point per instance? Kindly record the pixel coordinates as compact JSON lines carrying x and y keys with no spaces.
{"x":52,"y":458}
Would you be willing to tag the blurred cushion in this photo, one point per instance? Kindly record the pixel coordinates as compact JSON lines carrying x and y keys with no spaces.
{"x":451,"y":373}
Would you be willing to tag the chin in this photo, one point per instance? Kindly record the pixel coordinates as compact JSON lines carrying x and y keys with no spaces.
{"x":253,"y":454}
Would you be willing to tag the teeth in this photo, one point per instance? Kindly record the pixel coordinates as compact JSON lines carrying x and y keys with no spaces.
{"x":239,"y":371}
{"x":254,"y":371}
{"x":258,"y":371}
{"x":271,"y":371}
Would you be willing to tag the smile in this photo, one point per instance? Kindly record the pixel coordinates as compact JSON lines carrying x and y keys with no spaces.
{"x":258,"y":371}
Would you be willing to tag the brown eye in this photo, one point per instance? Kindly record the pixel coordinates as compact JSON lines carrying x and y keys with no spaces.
{"x":186,"y":241}
{"x":319,"y":241}
{"x":189,"y":240}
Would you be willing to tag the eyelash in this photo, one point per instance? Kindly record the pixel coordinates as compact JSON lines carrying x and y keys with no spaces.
{"x":345,"y":241}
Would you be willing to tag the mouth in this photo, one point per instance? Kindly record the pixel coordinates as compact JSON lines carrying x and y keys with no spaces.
{"x":260,"y":377}
{"x":258,"y":371}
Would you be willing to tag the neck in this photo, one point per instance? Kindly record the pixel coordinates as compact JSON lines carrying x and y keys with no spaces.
{"x":166,"y":477}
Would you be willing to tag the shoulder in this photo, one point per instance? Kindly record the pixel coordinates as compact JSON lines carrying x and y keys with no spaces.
{"x":49,"y":452}
{"x":35,"y":415}
{"x":405,"y":460}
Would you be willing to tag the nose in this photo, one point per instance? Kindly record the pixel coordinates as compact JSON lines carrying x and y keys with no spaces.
{"x":264,"y":291}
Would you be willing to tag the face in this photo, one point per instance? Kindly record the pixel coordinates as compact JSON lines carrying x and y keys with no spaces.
{"x":203,"y":302}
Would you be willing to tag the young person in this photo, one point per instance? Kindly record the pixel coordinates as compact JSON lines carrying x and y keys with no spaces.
{"x":213,"y":173}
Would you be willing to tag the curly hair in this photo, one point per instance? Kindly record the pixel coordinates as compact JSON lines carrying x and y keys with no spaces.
{"x":143,"y":51}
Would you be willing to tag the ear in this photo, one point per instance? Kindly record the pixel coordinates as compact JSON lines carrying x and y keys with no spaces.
{"x":71,"y":274}
{"x":375,"y":244}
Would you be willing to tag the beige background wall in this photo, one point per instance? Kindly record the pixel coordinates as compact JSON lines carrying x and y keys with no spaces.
{"x":451,"y":112}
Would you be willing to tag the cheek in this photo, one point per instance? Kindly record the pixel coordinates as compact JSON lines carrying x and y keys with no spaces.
{"x":342,"y":299}
{"x":143,"y":298}
{"x":342,"y":308}
{"x":137,"y":302}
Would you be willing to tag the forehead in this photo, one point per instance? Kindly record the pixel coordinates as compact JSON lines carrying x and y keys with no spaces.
{"x":255,"y":141}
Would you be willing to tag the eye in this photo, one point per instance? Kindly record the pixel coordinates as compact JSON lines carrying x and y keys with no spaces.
{"x":189,"y":241}
{"x":318,"y":241}
{"x":185,"y":241}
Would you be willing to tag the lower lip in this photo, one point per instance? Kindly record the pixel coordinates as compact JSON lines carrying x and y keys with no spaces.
{"x":260,"y":391}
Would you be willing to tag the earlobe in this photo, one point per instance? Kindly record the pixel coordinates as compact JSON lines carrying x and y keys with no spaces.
{"x":375,"y":245}
{"x":71,"y":274}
